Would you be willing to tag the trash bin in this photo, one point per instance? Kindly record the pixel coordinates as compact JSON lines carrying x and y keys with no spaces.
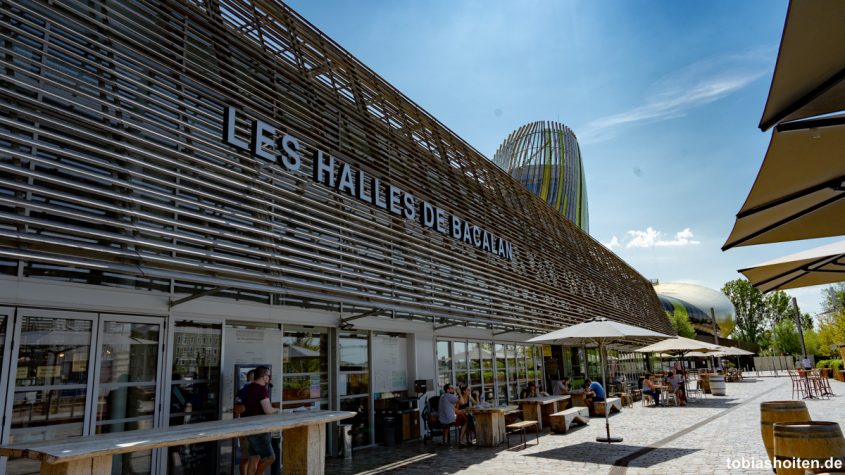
{"x":344,"y":443}
{"x":389,"y":431}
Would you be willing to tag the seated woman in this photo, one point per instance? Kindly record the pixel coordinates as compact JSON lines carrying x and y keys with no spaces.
{"x":676,"y":381}
{"x":468,"y":400}
{"x":650,"y":389}
{"x":529,"y":391}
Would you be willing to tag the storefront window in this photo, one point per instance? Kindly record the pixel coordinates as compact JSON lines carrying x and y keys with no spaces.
{"x":305,"y":367}
{"x":444,"y":363}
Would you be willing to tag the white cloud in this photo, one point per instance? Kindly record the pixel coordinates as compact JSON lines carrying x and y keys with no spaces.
{"x":650,"y":237}
{"x":613,"y":243}
{"x":673,"y":95}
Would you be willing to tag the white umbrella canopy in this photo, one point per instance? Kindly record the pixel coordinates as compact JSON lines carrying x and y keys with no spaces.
{"x":817,"y":266}
{"x":596,"y":332}
{"x":725,"y":351}
{"x":680,"y":345}
{"x":599,"y":332}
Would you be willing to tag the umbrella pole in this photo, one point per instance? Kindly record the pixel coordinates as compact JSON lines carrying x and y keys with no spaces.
{"x":608,"y":439}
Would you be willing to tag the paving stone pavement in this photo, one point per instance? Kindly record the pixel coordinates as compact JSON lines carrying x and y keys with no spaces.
{"x":701,"y":438}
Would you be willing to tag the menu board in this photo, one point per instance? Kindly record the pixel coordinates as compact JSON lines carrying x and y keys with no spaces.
{"x":390,"y":363}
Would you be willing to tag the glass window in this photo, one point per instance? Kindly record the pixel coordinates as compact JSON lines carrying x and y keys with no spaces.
{"x":305,"y":366}
{"x":195,"y":390}
{"x":354,"y":383}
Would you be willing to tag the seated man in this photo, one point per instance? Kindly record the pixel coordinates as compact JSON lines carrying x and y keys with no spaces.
{"x":593,"y":392}
{"x":561,"y":387}
{"x":446,"y":414}
{"x":649,"y":389}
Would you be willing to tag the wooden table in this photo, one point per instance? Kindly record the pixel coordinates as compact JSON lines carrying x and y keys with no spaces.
{"x":303,"y":442}
{"x":578,"y":398}
{"x":490,"y":424}
{"x":540,"y":408}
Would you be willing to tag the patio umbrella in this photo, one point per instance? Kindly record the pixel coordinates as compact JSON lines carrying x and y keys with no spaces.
{"x":798,"y":192}
{"x":808,"y":78}
{"x":599,"y":332}
{"x":680,"y":346}
{"x":821,"y":265}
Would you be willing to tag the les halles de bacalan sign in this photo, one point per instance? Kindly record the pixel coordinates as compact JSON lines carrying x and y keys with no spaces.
{"x":268,"y":144}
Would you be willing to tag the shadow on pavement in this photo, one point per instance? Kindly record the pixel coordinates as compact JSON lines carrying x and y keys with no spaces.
{"x":609,"y":454}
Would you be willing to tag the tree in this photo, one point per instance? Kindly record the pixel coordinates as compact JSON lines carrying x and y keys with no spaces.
{"x":785,"y":338}
{"x":680,"y":322}
{"x":751,"y":315}
{"x":834,"y":300}
{"x":778,"y":306}
{"x":831,"y":333}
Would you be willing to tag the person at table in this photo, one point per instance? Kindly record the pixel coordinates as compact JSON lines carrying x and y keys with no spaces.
{"x":593,"y":392}
{"x":678,"y":387}
{"x":650,"y":389}
{"x":529,"y":391}
{"x":257,"y":403}
{"x":560,"y":387}
{"x":446,"y":414}
{"x":467,"y":401}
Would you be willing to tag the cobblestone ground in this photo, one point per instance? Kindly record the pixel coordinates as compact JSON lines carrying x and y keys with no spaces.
{"x":701,"y":438}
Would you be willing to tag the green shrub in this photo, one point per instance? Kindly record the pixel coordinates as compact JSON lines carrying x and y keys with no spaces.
{"x":835,"y":365}
{"x":823,"y":364}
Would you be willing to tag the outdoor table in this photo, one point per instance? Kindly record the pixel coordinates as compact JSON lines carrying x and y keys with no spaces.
{"x":303,"y":444}
{"x":490,"y":424}
{"x":540,"y":408}
{"x":660,"y":388}
{"x":578,"y":398}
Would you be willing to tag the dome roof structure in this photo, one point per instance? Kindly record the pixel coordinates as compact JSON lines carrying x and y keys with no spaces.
{"x":696,"y":301}
{"x":546,"y":159}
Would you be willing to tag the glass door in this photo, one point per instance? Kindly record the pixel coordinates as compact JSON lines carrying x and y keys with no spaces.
{"x":49,"y":379}
{"x":195,"y":350}
{"x":129,"y":378}
{"x":354,"y":384}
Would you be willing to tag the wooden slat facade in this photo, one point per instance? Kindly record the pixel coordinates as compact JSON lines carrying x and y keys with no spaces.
{"x":113,"y":171}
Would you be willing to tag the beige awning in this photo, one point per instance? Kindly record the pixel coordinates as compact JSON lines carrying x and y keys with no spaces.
{"x":808,"y":78}
{"x":822,"y":265}
{"x":798,"y":193}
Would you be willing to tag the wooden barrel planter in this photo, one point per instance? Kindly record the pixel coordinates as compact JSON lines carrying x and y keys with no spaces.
{"x":809,"y":440}
{"x":717,"y":385}
{"x":779,"y":411}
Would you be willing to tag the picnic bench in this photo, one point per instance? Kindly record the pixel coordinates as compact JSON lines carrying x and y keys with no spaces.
{"x":563,"y":420}
{"x":303,"y":442}
{"x":541,"y":407}
{"x":521,"y":427}
{"x":613,"y":404}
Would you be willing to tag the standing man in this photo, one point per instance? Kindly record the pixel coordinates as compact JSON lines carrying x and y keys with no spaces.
{"x":806,"y":363}
{"x":257,"y":403}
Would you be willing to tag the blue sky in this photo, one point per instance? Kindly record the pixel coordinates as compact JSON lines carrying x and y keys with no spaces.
{"x":664,"y":97}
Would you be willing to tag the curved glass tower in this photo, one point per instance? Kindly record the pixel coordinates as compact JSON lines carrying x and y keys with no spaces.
{"x":546,"y":159}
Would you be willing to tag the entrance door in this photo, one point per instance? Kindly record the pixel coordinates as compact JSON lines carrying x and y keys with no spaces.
{"x":128,"y":391}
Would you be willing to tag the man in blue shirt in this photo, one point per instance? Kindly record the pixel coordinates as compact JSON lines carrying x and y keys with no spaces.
{"x":597,"y":390}
{"x":594,"y":393}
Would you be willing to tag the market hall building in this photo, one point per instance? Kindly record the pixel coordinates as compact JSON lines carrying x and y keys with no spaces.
{"x":190,"y":189}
